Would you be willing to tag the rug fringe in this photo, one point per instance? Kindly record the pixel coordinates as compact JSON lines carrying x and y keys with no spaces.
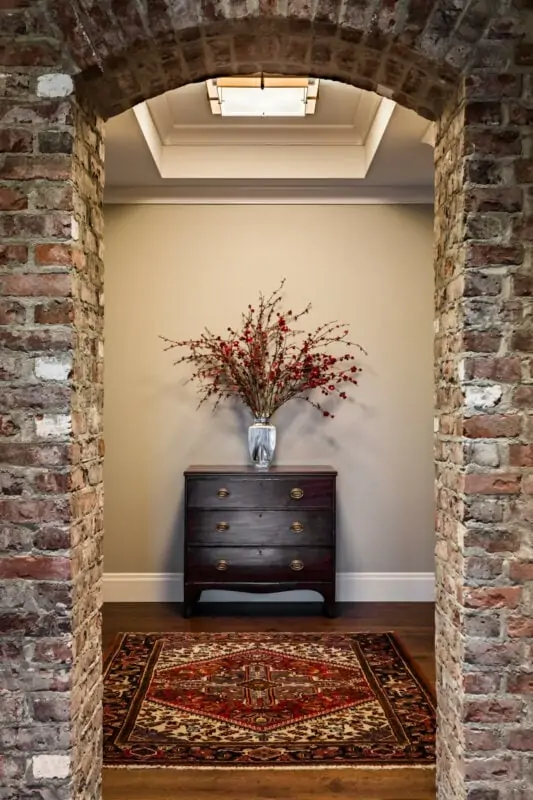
{"x":265,"y":767}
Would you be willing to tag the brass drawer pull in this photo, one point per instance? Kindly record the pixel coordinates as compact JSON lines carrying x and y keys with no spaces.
{"x":297,"y":565}
{"x":297,"y":527}
{"x":223,"y":493}
{"x":296,"y":494}
{"x":222,"y":526}
{"x":222,"y":565}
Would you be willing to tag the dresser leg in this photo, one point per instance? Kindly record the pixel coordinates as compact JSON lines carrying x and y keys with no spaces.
{"x":190,"y":597}
{"x":330,"y":606}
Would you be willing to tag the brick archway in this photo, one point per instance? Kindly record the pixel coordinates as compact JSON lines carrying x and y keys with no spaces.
{"x":469,"y":65}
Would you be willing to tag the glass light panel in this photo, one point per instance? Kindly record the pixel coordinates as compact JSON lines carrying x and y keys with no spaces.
{"x":267,"y":102}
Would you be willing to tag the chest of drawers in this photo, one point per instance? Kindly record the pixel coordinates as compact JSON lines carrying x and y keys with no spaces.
{"x":259,"y":531}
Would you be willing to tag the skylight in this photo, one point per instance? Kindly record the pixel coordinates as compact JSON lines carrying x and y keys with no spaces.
{"x":262,"y":96}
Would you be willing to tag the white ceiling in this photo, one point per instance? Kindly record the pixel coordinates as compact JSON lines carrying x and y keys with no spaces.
{"x":357,"y":146}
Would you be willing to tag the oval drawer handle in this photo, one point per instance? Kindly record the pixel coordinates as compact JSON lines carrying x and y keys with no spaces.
{"x":222,"y":565}
{"x":222,"y":526}
{"x":223,"y":493}
{"x":297,"y":565}
{"x":297,"y":527}
{"x":296,"y":494}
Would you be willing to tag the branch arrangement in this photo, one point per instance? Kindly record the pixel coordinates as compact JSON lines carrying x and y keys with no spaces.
{"x":270,"y":361}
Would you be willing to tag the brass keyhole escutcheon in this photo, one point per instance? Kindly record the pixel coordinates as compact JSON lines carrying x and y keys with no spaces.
{"x":222,"y":565}
{"x":296,"y":494}
{"x":297,"y":565}
{"x":222,"y":526}
{"x":297,"y":527}
{"x":223,"y":493}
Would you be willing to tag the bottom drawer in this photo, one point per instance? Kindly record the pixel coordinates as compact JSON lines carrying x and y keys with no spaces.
{"x":261,"y":565}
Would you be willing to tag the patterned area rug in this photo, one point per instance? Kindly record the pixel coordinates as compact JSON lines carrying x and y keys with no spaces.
{"x":263,"y":700}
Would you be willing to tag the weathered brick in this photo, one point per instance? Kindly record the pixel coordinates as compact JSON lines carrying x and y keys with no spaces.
{"x":482,"y":626}
{"x":482,"y":141}
{"x":8,"y":425}
{"x":11,"y":313}
{"x":51,"y":707}
{"x":494,"y":709}
{"x":481,"y":284}
{"x":34,"y":567}
{"x":482,"y":739}
{"x":11,"y":254}
{"x":490,"y":255}
{"x":36,"y":396}
{"x":52,"y":651}
{"x":14,"y":140}
{"x":54,"y":313}
{"x":493,"y":597}
{"x":521,"y":455}
{"x":523,"y":397}
{"x":49,"y":284}
{"x":483,"y":794}
{"x":26,"y":168}
{"x":481,"y":682}
{"x":493,"y":541}
{"x":521,"y":740}
{"x":507,"y":199}
{"x":54,"y":254}
{"x":495,"y":769}
{"x":48,"y":195}
{"x":520,"y":626}
{"x":12,"y":199}
{"x":527,"y":484}
{"x":524,"y":170}
{"x":25,"y":510}
{"x":55,"y":141}
{"x":492,"y":483}
{"x":52,"y":482}
{"x":521,"y":570}
{"x":54,"y":225}
{"x":35,"y":340}
{"x":520,"y":682}
{"x":492,"y":426}
{"x":483,"y":341}
{"x":483,"y":568}
{"x":31,"y":455}
{"x":483,"y":113}
{"x":507,"y":370}
{"x":523,"y":231}
{"x":51,"y":538}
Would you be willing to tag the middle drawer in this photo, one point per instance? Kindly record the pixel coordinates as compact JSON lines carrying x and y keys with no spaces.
{"x":275,"y":528}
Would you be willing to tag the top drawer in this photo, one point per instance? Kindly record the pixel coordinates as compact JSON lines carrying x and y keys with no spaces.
{"x":261,"y":492}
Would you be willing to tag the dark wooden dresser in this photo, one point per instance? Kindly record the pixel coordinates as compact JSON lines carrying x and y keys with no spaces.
{"x":260,"y":531}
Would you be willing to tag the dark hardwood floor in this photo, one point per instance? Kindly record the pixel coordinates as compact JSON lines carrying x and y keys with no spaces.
{"x":413,"y":624}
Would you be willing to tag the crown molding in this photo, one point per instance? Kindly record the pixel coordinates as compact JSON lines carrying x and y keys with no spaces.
{"x":269,"y":195}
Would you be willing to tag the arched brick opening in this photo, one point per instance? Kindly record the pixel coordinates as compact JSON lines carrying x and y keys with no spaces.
{"x":469,"y":65}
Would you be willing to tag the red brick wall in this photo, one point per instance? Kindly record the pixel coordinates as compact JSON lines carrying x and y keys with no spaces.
{"x":51,"y":175}
{"x":51,"y":448}
{"x":484,"y":341}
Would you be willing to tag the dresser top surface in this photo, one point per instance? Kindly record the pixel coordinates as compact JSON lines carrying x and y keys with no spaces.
{"x":257,"y":472}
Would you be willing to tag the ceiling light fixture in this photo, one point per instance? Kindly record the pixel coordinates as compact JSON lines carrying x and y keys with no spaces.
{"x":262,"y":96}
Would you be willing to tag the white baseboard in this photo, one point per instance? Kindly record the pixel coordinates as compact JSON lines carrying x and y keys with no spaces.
{"x":375,"y":587}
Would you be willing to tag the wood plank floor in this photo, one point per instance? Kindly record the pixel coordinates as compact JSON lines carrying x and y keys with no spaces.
{"x":413,"y":624}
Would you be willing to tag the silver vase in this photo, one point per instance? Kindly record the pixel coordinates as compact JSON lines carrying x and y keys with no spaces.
{"x":261,"y":442}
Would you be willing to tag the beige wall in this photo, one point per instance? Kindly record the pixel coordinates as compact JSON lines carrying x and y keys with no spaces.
{"x":173,"y":269}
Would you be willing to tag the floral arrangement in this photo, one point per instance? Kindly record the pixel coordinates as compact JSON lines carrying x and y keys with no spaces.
{"x":270,"y":361}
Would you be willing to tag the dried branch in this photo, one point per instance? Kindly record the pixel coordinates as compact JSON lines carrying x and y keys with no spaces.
{"x":269,"y":361}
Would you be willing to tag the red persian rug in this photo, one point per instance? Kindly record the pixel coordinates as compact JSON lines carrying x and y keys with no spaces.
{"x":264,"y":700}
